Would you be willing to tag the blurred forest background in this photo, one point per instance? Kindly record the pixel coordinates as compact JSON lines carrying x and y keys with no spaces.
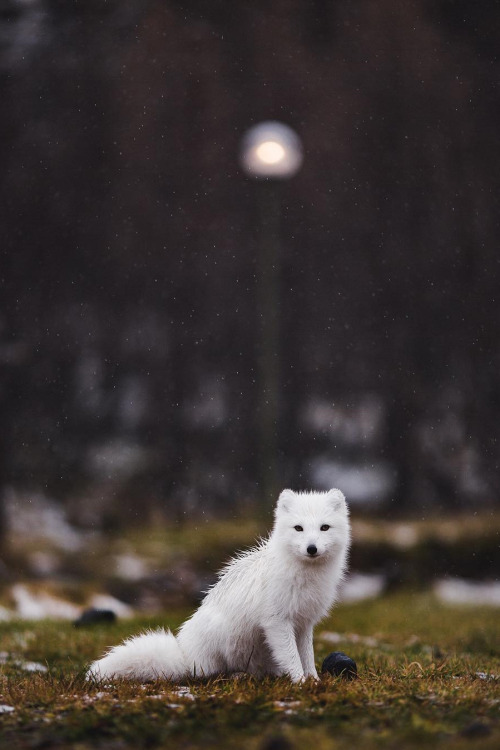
{"x":130,"y":327}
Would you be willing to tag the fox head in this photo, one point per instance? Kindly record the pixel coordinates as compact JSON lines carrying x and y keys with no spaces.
{"x":312,"y":526}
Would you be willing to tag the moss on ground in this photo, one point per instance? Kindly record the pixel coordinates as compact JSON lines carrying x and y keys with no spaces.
{"x":428,"y":674}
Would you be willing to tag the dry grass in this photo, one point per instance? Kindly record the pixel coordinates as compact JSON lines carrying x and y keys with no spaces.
{"x":429,"y":677}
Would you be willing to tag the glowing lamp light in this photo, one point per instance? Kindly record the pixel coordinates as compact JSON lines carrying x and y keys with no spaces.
{"x":271,"y":149}
{"x":271,"y":152}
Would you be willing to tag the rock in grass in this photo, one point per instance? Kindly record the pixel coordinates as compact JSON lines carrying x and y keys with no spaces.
{"x":277,"y":742}
{"x":340,"y":665}
{"x":476,"y":729}
{"x":95,"y":617}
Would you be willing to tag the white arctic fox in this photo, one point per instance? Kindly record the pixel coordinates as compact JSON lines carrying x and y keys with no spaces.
{"x":259,"y":616}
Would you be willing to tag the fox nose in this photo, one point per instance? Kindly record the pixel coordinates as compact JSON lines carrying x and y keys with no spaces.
{"x":312,"y":549}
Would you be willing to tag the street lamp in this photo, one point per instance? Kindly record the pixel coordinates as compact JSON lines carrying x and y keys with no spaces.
{"x":270,"y":152}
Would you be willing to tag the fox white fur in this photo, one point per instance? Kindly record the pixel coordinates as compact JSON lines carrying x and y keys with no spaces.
{"x":259,"y":616}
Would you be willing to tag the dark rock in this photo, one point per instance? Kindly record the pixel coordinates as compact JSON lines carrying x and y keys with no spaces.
{"x":95,"y":617}
{"x":277,"y":743}
{"x":476,"y":729}
{"x":340,"y":665}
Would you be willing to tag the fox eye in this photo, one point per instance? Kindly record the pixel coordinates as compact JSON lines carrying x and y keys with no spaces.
{"x":325,"y":527}
{"x":298,"y":528}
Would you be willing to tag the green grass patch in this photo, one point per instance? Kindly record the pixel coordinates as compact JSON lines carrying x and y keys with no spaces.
{"x":427,"y":674}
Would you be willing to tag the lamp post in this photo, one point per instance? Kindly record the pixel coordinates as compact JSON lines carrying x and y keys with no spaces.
{"x":270,"y":152}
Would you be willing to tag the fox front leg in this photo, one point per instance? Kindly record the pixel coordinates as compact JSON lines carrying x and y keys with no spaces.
{"x":306,"y":651}
{"x":280,"y":637}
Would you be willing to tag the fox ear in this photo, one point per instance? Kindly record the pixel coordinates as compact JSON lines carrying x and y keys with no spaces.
{"x":285,"y":500}
{"x":336,"y":499}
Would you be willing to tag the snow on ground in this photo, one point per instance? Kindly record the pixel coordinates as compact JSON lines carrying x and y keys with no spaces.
{"x":27,"y":666}
{"x":130,"y":567}
{"x":5,"y":614}
{"x":461,"y":591}
{"x":38,"y":516}
{"x":335,"y":638}
{"x":31,"y":604}
{"x":359,"y":586}
{"x":404,"y":535}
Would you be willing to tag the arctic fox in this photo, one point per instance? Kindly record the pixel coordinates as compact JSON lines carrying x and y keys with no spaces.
{"x":259,"y":617}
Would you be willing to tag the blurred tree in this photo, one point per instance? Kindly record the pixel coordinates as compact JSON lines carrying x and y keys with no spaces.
{"x":128,"y":261}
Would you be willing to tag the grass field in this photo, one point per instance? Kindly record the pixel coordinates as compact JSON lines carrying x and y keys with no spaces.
{"x":428,"y":675}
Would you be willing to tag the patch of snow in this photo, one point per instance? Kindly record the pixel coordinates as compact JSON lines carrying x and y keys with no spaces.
{"x":361,"y":483}
{"x":404,"y":535}
{"x":183,"y":691}
{"x":130,"y":567}
{"x":36,"y":516}
{"x":28,"y":666}
{"x":287,"y":704}
{"x":5,"y":614}
{"x":97,"y":696}
{"x":106,"y":601}
{"x":4,"y":709}
{"x":31,"y":666}
{"x":474,"y":593}
{"x":116,"y":459}
{"x":364,"y":640}
{"x":359,"y":586}
{"x":32,"y":605}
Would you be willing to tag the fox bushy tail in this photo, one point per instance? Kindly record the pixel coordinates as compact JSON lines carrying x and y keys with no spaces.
{"x":152,"y":655}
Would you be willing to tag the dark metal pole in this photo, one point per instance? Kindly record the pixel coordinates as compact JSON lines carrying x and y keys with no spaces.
{"x":269,"y":344}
